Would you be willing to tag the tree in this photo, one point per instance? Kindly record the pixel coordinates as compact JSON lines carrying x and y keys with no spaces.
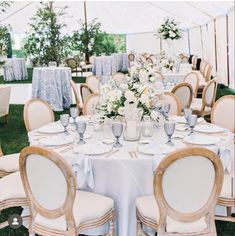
{"x":91,"y":40}
{"x":45,"y":41}
{"x":4,"y":40}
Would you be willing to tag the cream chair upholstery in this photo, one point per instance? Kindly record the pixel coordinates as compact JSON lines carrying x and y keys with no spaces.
{"x":76,"y":94}
{"x":119,"y":78}
{"x":56,"y":207}
{"x":12,"y":194}
{"x":204,"y":105}
{"x":9,"y":164}
{"x":85,"y":91}
{"x":93,"y":83}
{"x":187,"y":206}
{"x":203,"y":66}
{"x":37,"y":113}
{"x":172,"y":99}
{"x":184,"y":92}
{"x":5,"y":93}
{"x":90,"y":103}
{"x":207,"y":72}
{"x":223,"y":112}
{"x":194,"y":62}
{"x":192,"y":78}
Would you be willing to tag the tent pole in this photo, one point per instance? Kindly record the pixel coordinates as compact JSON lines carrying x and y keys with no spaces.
{"x":227,"y":37}
{"x":189,"y":50}
{"x":215,"y":45}
{"x":201,"y":41}
{"x":87,"y":36}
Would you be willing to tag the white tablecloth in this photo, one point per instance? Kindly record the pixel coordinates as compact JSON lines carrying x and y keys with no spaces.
{"x":119,"y":176}
{"x":52,"y":84}
{"x":15,"y":69}
{"x":108,"y":65}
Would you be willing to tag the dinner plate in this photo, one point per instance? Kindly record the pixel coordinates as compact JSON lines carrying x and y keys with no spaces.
{"x":208,"y":128}
{"x":51,"y":129}
{"x":108,"y":141}
{"x":58,"y":140}
{"x":182,"y":120}
{"x":93,"y":149}
{"x":201,"y":139}
{"x":152,"y":149}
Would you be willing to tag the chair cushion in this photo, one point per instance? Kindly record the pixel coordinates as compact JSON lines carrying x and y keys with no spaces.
{"x":226,"y":191}
{"x":196,"y":105}
{"x":9,"y":163}
{"x":11,"y":187}
{"x":87,"y":206}
{"x":147,"y":206}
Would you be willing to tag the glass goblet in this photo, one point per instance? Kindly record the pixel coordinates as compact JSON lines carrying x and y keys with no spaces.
{"x":187,"y":113}
{"x":166,"y":108}
{"x":117,"y":128}
{"x":192,"y":121}
{"x":81,"y":128}
{"x":169,"y":128}
{"x":74,"y":114}
{"x":64,"y":119}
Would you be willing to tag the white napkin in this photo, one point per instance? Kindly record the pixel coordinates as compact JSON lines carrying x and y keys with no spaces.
{"x":226,"y":159}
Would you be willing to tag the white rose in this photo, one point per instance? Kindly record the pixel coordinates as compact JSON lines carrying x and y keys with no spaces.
{"x":141,"y":88}
{"x":172,"y":34}
{"x":109,"y":107}
{"x":144,"y":99}
{"x":152,"y":79}
{"x":130,"y":96}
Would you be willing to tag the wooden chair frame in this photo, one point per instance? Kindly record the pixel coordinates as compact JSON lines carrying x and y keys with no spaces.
{"x":84,"y":109}
{"x":76,"y":94}
{"x":183,"y":84}
{"x":165,"y":210}
{"x":84,"y":86}
{"x":131,"y":57}
{"x":208,"y":73}
{"x":160,"y":74}
{"x":25,"y":113}
{"x":197,"y":84}
{"x":194,"y":62}
{"x":177,"y":101}
{"x":67,"y":208}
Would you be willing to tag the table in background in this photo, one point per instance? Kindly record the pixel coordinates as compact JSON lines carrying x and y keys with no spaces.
{"x":52,"y":84}
{"x":15,"y":69}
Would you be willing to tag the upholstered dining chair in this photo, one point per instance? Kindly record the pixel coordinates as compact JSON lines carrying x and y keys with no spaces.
{"x":172,"y":99}
{"x":194,"y":62}
{"x":72,"y":63}
{"x":5,"y":93}
{"x":202,"y":106}
{"x":187,"y":184}
{"x":184,"y":59}
{"x":8,"y":163}
{"x":203,"y":65}
{"x":76,"y":94}
{"x":89,"y":105}
{"x":85,"y":91}
{"x":37,"y":113}
{"x":56,"y":207}
{"x":118,"y":78}
{"x":93,"y":82}
{"x":12,"y":194}
{"x":207,"y":72}
{"x":184,"y":92}
{"x":192,"y":78}
{"x":223,"y":112}
{"x":131,"y":57}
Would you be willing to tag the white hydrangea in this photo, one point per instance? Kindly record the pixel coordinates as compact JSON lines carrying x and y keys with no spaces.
{"x":130,"y":96}
{"x":114,"y":95}
{"x":145,"y":99}
{"x":155,"y":115}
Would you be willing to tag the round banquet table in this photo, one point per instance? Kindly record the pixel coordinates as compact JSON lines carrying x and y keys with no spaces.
{"x":52,"y":84}
{"x":119,"y":176}
{"x":15,"y":69}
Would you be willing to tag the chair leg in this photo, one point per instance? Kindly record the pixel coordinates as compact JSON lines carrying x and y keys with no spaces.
{"x":229,"y":211}
{"x":139,"y":230}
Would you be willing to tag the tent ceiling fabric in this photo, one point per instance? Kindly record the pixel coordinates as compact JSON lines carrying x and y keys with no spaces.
{"x":123,"y":16}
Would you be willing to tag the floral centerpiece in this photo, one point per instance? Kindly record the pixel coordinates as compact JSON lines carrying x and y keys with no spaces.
{"x":169,"y":30}
{"x":138,"y":91}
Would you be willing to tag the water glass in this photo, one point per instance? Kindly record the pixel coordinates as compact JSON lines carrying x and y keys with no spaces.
{"x":64,"y":119}
{"x":166,"y":109}
{"x":192,"y":121}
{"x":187,"y":113}
{"x":81,"y":128}
{"x":74,"y":114}
{"x":117,"y":128}
{"x":147,"y":126}
{"x":169,"y":128}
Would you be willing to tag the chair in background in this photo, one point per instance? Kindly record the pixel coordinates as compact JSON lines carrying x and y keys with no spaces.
{"x":12,"y":194}
{"x":93,"y":82}
{"x":184,"y":59}
{"x":52,"y":64}
{"x":184,"y":92}
{"x":5,"y":93}
{"x":185,"y":208}
{"x":192,"y":78}
{"x":90,"y":103}
{"x":76,"y":94}
{"x":223,"y":112}
{"x":172,"y":99}
{"x":72,"y":63}
{"x":85,"y":91}
{"x":119,"y":78}
{"x":202,"y":106}
{"x":203,"y":66}
{"x":194,"y":62}
{"x":131,"y":57}
{"x":207,"y":72}
{"x":56,"y":207}
{"x":37,"y":113}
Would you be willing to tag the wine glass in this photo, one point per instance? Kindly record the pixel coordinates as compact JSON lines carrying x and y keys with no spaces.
{"x":166,"y":108}
{"x":169,"y":128}
{"x":74,"y":114}
{"x":117,"y":128}
{"x":187,"y":113}
{"x":64,"y":119}
{"x":147,"y":126}
{"x":192,"y":121}
{"x":81,"y":128}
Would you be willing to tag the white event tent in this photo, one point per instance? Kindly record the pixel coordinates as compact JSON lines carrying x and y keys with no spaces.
{"x":208,"y":26}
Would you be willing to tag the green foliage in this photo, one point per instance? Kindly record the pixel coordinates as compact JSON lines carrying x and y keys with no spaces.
{"x":4,"y":5}
{"x":18,"y":53}
{"x":45,"y":41}
{"x":4,"y":40}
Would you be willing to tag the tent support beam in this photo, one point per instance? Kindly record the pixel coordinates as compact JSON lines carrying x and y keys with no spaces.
{"x":199,"y":9}
{"x":215,"y":45}
{"x":227,"y":37}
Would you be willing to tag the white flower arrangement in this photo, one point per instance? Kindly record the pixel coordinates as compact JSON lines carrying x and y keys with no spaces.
{"x":169,"y":30}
